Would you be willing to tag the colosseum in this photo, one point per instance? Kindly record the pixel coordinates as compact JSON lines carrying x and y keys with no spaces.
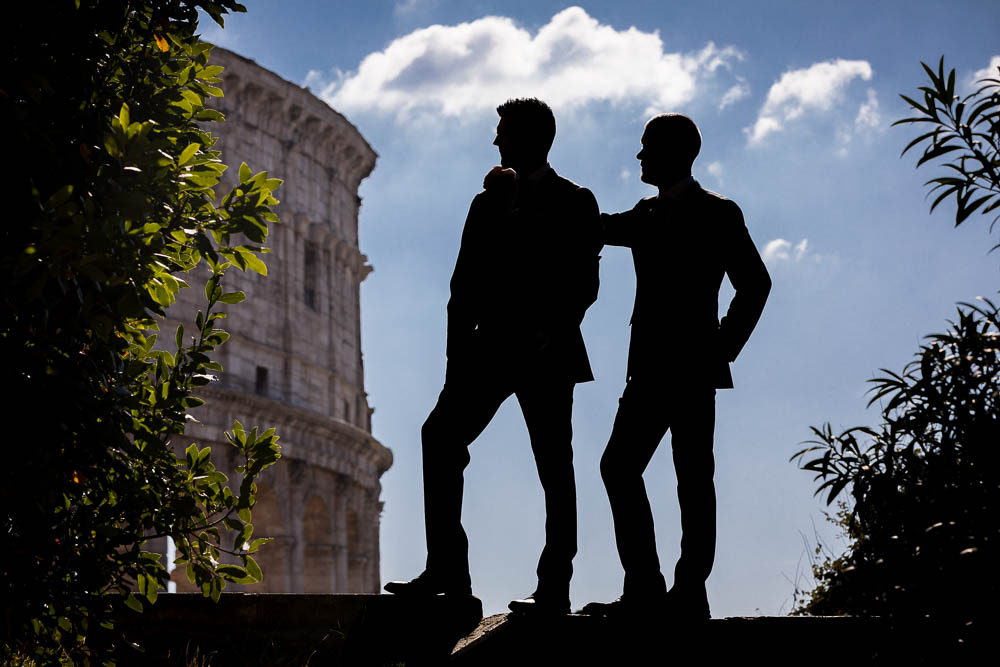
{"x":294,"y":359}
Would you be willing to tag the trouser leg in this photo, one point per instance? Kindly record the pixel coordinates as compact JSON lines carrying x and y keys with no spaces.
{"x":692,"y":441}
{"x":548,"y":412}
{"x":639,"y":426}
{"x":463,"y":410}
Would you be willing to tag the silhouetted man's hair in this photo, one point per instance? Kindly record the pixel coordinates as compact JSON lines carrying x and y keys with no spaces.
{"x":534,"y":118}
{"x":684,"y":135}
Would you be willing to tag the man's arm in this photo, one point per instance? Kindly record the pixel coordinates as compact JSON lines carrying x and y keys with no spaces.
{"x":587,"y":245}
{"x":620,"y":228}
{"x":463,"y":308}
{"x":575,"y":271}
{"x":750,"y":279}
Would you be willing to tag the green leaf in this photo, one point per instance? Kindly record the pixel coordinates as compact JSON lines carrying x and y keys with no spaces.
{"x":231,"y":571}
{"x":253,"y":262}
{"x":59,"y":197}
{"x":147,"y":586}
{"x":944,"y":195}
{"x":245,"y":173}
{"x":918,"y":140}
{"x":233,"y":297}
{"x":188,"y":153}
{"x":132,"y":602}
{"x":930,"y":154}
{"x":193,"y":98}
{"x":915,"y":105}
{"x":965,"y":211}
{"x":191,"y":454}
{"x":210,"y":72}
{"x":239,"y":431}
{"x":257,"y":543}
{"x":253,"y":569}
{"x":209,"y":115}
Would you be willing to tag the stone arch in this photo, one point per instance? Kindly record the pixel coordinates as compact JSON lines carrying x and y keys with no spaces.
{"x":356,"y":559}
{"x":274,"y":557}
{"x":319,"y":574}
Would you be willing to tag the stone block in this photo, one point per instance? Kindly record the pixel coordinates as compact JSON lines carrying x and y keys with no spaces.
{"x":260,"y":629}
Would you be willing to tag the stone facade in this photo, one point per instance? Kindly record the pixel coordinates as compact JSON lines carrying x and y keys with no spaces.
{"x":294,"y":359}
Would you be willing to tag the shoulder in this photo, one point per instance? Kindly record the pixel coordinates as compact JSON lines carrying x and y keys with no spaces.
{"x":483,"y":201}
{"x":645,"y":204}
{"x":565,"y":185}
{"x":714,"y":198}
{"x":720,"y":204}
{"x":579,"y":194}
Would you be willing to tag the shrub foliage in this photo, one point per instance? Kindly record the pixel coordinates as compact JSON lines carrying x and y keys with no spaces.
{"x":923,"y":517}
{"x":110,"y":201}
{"x":924,"y":521}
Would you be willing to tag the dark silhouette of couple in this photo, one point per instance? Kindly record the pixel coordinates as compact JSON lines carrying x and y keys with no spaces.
{"x":526,"y":273}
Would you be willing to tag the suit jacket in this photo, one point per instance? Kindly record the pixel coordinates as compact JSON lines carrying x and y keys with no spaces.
{"x":682,"y":246}
{"x":526,"y":273}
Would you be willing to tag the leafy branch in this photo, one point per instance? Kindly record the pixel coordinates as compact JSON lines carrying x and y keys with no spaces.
{"x":969,"y":125}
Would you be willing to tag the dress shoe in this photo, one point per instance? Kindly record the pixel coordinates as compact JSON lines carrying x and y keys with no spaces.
{"x":688,"y":604}
{"x":535,"y":604}
{"x":425,"y":585}
{"x":607,"y":609}
{"x":628,"y":607}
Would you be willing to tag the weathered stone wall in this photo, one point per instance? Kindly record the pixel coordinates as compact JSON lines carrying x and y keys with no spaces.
{"x":294,"y":360}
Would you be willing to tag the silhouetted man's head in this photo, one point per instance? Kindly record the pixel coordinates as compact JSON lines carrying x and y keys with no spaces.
{"x":525,"y":133}
{"x":670,"y":143}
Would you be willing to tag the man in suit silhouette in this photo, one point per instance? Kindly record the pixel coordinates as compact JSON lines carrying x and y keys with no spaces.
{"x":683,"y":241}
{"x":526,"y":273}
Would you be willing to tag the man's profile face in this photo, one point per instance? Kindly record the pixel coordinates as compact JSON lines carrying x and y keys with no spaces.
{"x":510,"y":143}
{"x":503,"y":141}
{"x":654,"y":158}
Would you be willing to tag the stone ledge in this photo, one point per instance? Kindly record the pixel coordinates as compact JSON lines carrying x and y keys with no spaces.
{"x":580,"y":640}
{"x":250,"y":629}
{"x":384,"y":630}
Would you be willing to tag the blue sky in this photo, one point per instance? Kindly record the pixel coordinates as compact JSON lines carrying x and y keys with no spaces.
{"x":794,"y":100}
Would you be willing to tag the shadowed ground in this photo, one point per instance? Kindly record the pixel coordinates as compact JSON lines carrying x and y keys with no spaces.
{"x":382,"y":630}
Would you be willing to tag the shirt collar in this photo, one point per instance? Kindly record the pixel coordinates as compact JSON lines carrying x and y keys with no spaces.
{"x":679,"y":189}
{"x":539,"y":173}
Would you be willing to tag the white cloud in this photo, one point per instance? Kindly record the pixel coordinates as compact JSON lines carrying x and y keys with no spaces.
{"x":572,"y":60}
{"x":815,"y":88}
{"x":406,"y":6}
{"x":868,"y":117}
{"x":734,"y":94}
{"x":625,"y":175}
{"x":715,"y":169}
{"x":866,"y":124}
{"x":320,"y":83}
{"x":988,"y":72}
{"x":412,"y":9}
{"x":780,"y":250}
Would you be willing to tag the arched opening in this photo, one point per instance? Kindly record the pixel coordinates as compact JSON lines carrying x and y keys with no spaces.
{"x":319,"y":563}
{"x":356,"y":558}
{"x":274,"y":557}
